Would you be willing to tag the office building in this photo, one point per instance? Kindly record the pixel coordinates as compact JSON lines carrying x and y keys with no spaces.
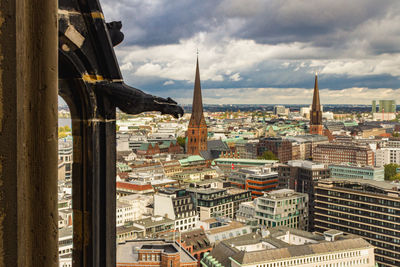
{"x":387,"y":155}
{"x":367,"y":208}
{"x":348,"y":171}
{"x":300,"y":175}
{"x":373,"y":106}
{"x":283,"y":207}
{"x":279,"y":110}
{"x":257,"y":180}
{"x":387,"y":106}
{"x":336,"y":153}
{"x":218,"y":202}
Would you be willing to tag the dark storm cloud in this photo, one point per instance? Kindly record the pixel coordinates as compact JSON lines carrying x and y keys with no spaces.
{"x":338,"y":24}
{"x":249,"y":46}
{"x":147,"y":23}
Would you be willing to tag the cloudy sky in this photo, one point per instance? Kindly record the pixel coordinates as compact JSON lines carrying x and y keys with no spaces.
{"x":261,"y":51}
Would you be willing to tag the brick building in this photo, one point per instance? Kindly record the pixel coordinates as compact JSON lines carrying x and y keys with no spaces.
{"x":156,"y":253}
{"x":196,"y":242}
{"x":282,"y":148}
{"x":344,"y":153}
{"x":148,"y":149}
{"x":170,"y":147}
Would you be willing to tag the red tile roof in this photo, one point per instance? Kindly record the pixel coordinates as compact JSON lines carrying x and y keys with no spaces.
{"x":134,"y":187}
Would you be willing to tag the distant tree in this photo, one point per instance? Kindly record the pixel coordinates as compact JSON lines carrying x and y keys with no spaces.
{"x":117,"y":126}
{"x":268,"y":155}
{"x":396,"y":177}
{"x":181,"y":141}
{"x":390,"y":171}
{"x":64,"y":131}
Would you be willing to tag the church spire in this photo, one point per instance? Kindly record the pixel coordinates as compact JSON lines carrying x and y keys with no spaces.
{"x":197,"y":128}
{"x":316,"y":105}
{"x":197,"y":107}
{"x":316,"y":112}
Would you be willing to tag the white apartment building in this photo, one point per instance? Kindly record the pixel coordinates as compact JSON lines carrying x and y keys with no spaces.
{"x":125,"y":213}
{"x":387,"y":155}
{"x":176,"y":204}
{"x":140,"y":205}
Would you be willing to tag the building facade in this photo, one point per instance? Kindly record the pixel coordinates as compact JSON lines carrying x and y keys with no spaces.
{"x":283,"y":207}
{"x":218,"y":202}
{"x":300,"y":175}
{"x":357,"y":172}
{"x":257,"y":180}
{"x":387,"y":155}
{"x":176,"y":204}
{"x":65,"y":155}
{"x":344,"y":153}
{"x":281,"y":147}
{"x":157,"y":253}
{"x":366,"y":208}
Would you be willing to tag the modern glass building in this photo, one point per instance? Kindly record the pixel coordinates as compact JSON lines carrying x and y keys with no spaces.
{"x":357,"y":172}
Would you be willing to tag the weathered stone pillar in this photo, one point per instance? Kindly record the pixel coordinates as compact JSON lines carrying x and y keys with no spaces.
{"x":28,"y":133}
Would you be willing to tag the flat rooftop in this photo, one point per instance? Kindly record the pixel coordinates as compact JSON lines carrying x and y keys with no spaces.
{"x":231,"y":226}
{"x":127,"y":252}
{"x":386,"y":185}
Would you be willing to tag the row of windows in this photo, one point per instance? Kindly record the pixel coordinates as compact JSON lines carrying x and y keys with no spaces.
{"x":358,"y":202}
{"x":387,"y":250}
{"x":363,"y":223}
{"x":65,"y":251}
{"x":186,"y":227}
{"x":150,"y":257}
{"x":185,"y":221}
{"x":371,"y":218}
{"x":356,"y":262}
{"x":186,"y":214}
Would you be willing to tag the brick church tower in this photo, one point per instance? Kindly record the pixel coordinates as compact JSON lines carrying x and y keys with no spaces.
{"x":316,"y":126}
{"x":197,"y":129}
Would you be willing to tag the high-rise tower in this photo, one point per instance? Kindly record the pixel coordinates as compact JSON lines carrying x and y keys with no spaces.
{"x":197,"y":129}
{"x":316,"y":112}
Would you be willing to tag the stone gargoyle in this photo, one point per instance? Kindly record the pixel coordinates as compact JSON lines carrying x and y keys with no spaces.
{"x":131,"y":100}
